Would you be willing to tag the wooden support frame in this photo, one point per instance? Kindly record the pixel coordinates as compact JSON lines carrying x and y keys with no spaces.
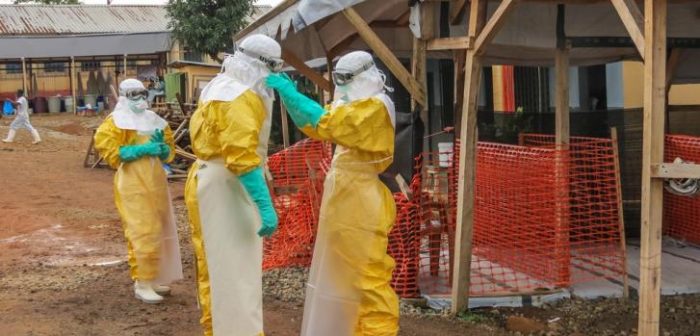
{"x":385,"y":54}
{"x":562,"y":140}
{"x":125,"y":66}
{"x":621,"y":212}
{"x":305,"y":70}
{"x":73,"y":84}
{"x":456,"y":10}
{"x":675,"y":171}
{"x":24,"y":77}
{"x":494,"y":25}
{"x":633,"y":19}
{"x":467,"y":166}
{"x":449,"y":43}
{"x":655,"y":12}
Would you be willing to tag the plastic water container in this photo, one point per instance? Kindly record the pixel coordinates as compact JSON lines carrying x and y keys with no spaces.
{"x":7,"y":108}
{"x":91,"y":99}
{"x":68,"y":102}
{"x":445,"y":154}
{"x":54,"y":104}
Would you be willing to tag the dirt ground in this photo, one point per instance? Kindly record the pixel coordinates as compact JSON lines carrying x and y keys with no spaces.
{"x":63,"y":269}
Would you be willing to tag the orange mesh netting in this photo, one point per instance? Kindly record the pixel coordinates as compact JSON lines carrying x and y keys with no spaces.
{"x":545,"y":218}
{"x":298,"y":173}
{"x":682,"y":213}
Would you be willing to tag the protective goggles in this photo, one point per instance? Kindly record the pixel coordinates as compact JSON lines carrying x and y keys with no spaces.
{"x":136,"y":94}
{"x":272,"y":63}
{"x":343,"y":77}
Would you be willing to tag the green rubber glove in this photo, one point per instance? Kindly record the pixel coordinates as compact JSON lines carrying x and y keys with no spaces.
{"x":254,"y":184}
{"x":303,"y":110}
{"x":159,"y":138}
{"x":135,"y":152}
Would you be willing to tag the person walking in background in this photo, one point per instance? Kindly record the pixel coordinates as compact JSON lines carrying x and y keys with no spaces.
{"x":21,"y":119}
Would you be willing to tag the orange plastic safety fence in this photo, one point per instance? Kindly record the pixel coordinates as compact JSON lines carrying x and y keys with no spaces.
{"x":682,"y":213}
{"x":298,"y":173}
{"x":545,"y":218}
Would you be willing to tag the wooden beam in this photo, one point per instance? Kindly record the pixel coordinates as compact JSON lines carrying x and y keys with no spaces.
{"x":125,"y":67}
{"x":459,"y":56}
{"x":562,"y":126}
{"x":73,"y":85}
{"x":24,"y":77}
{"x":561,"y":99}
{"x":467,"y":167}
{"x":305,"y":70}
{"x":456,"y":10}
{"x":449,"y":43}
{"x":418,"y":70}
{"x":285,"y":125}
{"x":339,"y":47}
{"x":675,"y":171}
{"x":621,"y":212}
{"x":494,"y":25}
{"x":633,"y":19}
{"x":673,"y":60}
{"x":655,"y":12}
{"x":385,"y":54}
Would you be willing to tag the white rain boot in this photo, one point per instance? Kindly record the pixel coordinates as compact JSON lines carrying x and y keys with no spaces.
{"x":162,"y":290}
{"x":35,"y":135}
{"x":10,"y":136}
{"x":143,"y":290}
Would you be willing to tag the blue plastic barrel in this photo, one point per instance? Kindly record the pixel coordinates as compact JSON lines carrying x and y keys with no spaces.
{"x":7,"y":108}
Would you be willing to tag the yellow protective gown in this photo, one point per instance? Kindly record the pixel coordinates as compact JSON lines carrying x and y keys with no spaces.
{"x":143,"y":201}
{"x":230,"y":139}
{"x":348,"y":292}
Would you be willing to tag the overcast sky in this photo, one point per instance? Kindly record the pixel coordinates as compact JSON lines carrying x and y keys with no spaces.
{"x":144,"y":2}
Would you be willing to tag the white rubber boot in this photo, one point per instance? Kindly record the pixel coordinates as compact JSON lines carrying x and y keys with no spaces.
{"x":162,"y":290}
{"x":143,"y":290}
{"x":35,"y":135}
{"x":10,"y":136}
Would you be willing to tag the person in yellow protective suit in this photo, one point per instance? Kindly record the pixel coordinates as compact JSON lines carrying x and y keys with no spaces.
{"x":136,"y":142}
{"x":227,"y":197}
{"x":348,"y":292}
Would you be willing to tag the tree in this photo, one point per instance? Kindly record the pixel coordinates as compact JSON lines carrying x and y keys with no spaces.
{"x":48,"y":2}
{"x":207,"y":26}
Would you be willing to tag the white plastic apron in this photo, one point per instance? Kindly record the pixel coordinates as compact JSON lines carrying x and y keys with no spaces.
{"x":344,"y":248}
{"x":229,"y":224}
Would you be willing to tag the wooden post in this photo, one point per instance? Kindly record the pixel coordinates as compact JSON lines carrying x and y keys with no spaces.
{"x":562,"y":125}
{"x":385,"y":54}
{"x":329,"y":69}
{"x":24,"y":77}
{"x":620,"y":210}
{"x":125,"y":67}
{"x":285,"y":125}
{"x":467,"y":166}
{"x":419,"y":59}
{"x":655,"y":12}
{"x":418,"y":70}
{"x":73,"y":84}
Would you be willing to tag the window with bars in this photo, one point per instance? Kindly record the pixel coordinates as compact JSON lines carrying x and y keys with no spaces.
{"x":90,"y":66}
{"x":13,"y":68}
{"x":54,"y":67}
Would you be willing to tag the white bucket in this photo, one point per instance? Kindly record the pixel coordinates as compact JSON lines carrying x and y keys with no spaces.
{"x":54,"y":104}
{"x":445,"y":154}
{"x":68,"y":102}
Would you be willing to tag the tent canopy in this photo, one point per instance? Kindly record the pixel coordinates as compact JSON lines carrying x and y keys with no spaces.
{"x":312,"y":29}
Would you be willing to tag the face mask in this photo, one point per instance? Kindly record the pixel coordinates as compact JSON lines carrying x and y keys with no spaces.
{"x":138,"y":106}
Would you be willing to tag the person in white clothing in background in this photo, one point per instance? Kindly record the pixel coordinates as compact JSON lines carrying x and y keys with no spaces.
{"x":21,"y":105}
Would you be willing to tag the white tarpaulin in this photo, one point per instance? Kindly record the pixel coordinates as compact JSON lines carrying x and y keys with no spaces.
{"x":528,"y":37}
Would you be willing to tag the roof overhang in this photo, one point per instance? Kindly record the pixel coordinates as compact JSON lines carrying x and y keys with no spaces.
{"x":84,"y":45}
{"x":528,"y":36}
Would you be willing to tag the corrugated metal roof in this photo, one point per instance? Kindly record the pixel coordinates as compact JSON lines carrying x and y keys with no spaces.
{"x":81,"y":19}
